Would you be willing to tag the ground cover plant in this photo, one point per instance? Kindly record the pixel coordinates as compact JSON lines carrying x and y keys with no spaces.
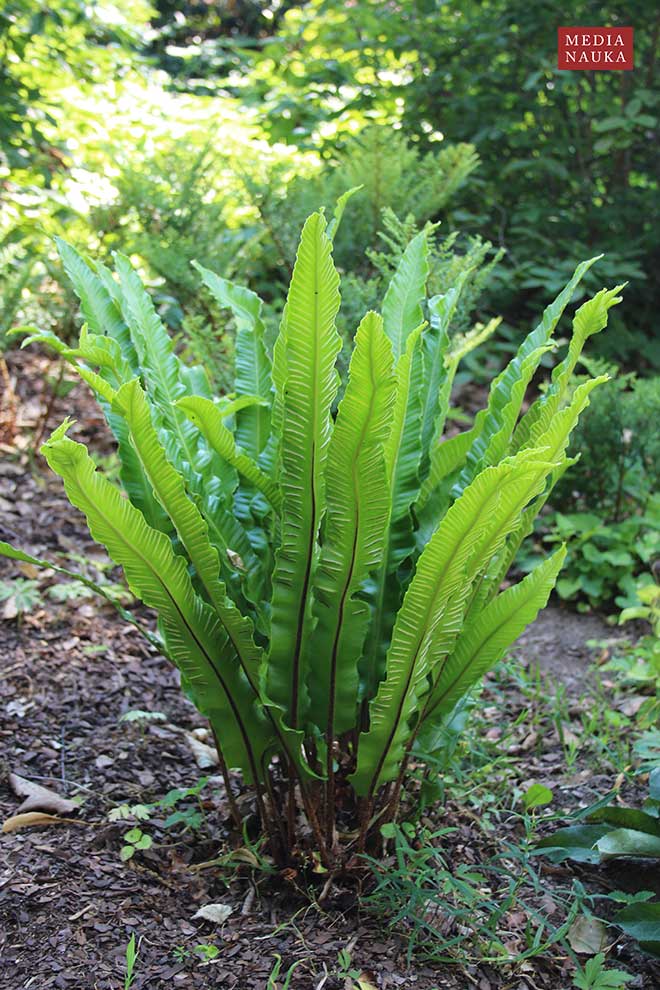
{"x":328,"y":585}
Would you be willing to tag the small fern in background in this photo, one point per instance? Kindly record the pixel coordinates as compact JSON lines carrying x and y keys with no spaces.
{"x":391,"y":174}
{"x":395,"y":176}
{"x":169,"y":209}
{"x":453,"y":262}
{"x":452,"y":259}
{"x":327,"y":584}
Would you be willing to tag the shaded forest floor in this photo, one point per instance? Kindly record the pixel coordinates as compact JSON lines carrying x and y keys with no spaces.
{"x":68,"y":904}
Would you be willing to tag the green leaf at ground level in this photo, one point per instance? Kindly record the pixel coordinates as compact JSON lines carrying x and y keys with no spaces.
{"x":576,"y":842}
{"x":642,"y":922}
{"x":536,"y":796}
{"x":628,"y":842}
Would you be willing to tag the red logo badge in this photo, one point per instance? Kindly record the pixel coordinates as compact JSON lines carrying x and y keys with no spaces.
{"x":595,"y":48}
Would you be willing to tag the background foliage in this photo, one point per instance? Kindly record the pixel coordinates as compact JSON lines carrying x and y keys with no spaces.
{"x":567,"y":157}
{"x":176,"y":131}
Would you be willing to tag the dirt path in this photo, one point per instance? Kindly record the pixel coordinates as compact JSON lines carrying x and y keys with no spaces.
{"x":558,"y":640}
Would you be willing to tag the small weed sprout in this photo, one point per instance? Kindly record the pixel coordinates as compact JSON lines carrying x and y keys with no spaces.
{"x":594,"y":976}
{"x":275,"y":973}
{"x":345,"y":970}
{"x":207,"y":952}
{"x":135,"y":840}
{"x":132,"y":951}
{"x":19,"y":596}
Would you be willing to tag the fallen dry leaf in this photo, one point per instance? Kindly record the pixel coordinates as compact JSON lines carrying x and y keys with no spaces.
{"x":205,"y":756}
{"x":33,"y":819}
{"x":38,"y":798}
{"x":79,"y":914}
{"x":529,"y":741}
{"x":549,"y":906}
{"x":587,"y":935}
{"x":217,"y":913}
{"x":568,"y":737}
{"x":632,"y":705}
{"x":29,"y":570}
{"x":9,"y":609}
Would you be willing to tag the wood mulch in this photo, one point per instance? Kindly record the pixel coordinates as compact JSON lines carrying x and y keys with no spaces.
{"x":68,"y":904}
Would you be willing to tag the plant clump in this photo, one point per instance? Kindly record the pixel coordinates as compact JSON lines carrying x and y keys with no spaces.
{"x":327,"y":574}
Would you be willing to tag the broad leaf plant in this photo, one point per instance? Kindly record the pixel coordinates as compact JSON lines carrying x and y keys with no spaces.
{"x":325,"y":566}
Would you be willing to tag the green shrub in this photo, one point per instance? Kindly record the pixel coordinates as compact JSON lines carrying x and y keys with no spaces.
{"x":395,"y":191}
{"x":390,"y":174}
{"x":173,"y":206}
{"x":328,"y":586}
{"x":16,"y":274}
{"x":637,"y":663}
{"x":604,"y":559}
{"x":616,"y":832}
{"x":618,"y":441}
{"x":561,"y":161}
{"x":607,"y":509}
{"x":169,"y":209}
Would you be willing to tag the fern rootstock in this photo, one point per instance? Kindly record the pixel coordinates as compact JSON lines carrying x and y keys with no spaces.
{"x":326,"y":578}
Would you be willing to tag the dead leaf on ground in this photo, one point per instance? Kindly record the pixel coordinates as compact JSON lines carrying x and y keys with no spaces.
{"x":205,"y":756}
{"x":35,"y":819}
{"x":29,"y":570}
{"x":530,"y":741}
{"x":548,"y":905}
{"x":217,"y":913}
{"x":38,"y":798}
{"x":567,"y":737}
{"x":632,"y":705}
{"x":587,"y":935}
{"x":9,"y":609}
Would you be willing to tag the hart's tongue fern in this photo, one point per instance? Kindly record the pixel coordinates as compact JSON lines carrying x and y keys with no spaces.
{"x":327,"y":583}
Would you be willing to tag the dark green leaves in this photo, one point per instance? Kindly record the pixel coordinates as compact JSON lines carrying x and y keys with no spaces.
{"x":642,"y":922}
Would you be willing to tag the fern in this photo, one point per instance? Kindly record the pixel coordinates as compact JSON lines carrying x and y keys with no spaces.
{"x":328,"y":584}
{"x":391,"y":175}
{"x":451,"y":261}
